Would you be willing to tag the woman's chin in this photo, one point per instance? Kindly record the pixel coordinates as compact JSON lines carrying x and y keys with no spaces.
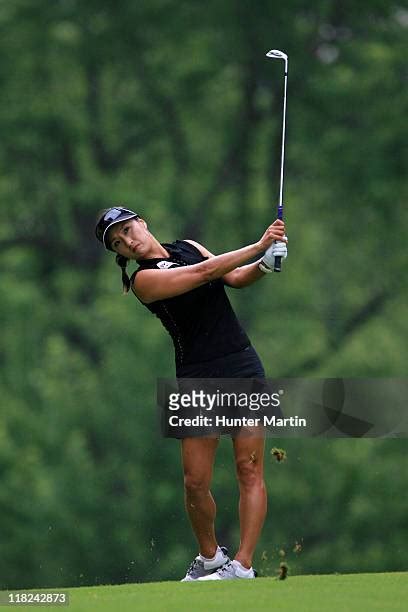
{"x":137,"y":254}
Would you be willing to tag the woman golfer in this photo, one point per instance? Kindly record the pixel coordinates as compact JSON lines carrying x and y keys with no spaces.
{"x":182,"y":283}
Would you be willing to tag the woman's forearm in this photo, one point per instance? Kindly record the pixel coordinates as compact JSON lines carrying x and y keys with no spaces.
{"x":219,"y":265}
{"x":244,"y":275}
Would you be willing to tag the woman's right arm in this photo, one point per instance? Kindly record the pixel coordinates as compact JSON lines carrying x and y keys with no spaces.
{"x":159,"y":284}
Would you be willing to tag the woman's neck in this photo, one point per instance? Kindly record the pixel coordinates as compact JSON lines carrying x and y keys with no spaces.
{"x":156,"y":250}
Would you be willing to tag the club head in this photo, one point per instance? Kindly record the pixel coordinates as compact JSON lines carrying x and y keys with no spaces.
{"x":275,"y":54}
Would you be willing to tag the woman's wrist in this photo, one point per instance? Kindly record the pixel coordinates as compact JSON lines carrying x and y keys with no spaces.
{"x":259,"y":248}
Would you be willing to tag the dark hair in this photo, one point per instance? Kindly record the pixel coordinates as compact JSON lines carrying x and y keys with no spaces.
{"x":122,"y":263}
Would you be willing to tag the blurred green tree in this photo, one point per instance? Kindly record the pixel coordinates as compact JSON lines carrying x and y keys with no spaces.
{"x":172,"y":109}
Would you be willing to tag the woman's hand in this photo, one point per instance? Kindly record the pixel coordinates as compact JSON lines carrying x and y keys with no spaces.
{"x":277,"y":249}
{"x":276,"y":231}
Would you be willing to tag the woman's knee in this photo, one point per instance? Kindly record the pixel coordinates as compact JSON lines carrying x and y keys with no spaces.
{"x":196,"y":484}
{"x":249,"y":473}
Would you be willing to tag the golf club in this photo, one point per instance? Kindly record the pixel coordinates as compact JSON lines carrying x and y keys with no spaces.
{"x":275,"y":54}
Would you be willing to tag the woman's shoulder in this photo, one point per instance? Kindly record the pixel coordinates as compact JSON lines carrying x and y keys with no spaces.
{"x":190,"y":245}
{"x":198,"y":248}
{"x":186,"y":249}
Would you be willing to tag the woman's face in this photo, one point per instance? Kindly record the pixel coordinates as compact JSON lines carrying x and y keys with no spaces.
{"x":130,"y":238}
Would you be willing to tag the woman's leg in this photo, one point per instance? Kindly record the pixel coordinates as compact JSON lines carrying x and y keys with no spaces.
{"x":198,"y":456}
{"x":249,"y":454}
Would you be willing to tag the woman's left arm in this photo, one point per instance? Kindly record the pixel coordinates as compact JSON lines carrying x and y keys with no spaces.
{"x":238,"y":278}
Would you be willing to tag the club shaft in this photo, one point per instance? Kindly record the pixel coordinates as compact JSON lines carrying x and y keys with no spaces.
{"x":283,"y":135}
{"x":276,"y":54}
{"x":278,"y":260}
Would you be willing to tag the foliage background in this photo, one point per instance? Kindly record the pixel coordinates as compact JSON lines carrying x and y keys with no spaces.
{"x":171,"y":109}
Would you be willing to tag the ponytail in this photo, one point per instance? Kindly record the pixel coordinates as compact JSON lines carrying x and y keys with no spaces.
{"x":122,"y":263}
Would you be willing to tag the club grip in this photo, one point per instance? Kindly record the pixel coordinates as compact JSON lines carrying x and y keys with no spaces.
{"x":278,"y":259}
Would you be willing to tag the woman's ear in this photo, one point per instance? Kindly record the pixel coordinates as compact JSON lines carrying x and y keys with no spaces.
{"x":142,"y":221}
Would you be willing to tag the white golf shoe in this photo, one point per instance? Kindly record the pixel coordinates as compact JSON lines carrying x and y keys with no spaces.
{"x":202,"y":568}
{"x":229,"y":571}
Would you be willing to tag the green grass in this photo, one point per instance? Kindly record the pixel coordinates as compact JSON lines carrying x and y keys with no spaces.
{"x":334,"y":593}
